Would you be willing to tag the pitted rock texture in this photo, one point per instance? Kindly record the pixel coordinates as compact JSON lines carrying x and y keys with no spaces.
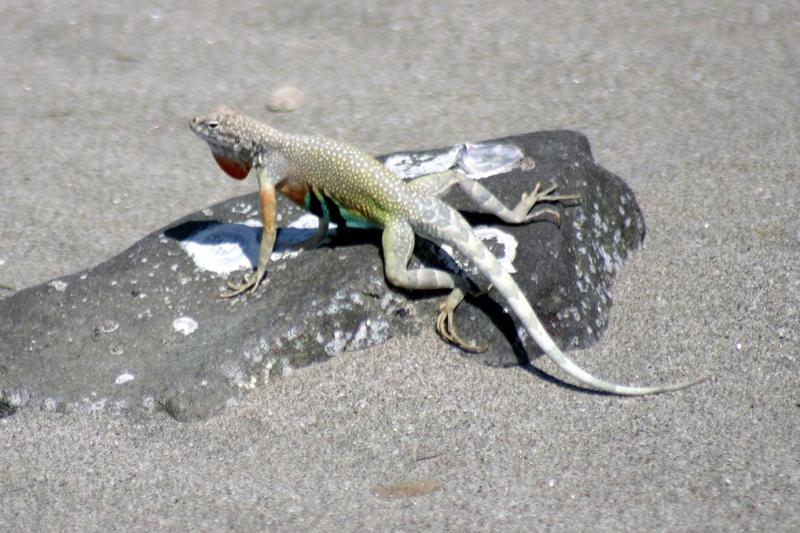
{"x":146,"y":331}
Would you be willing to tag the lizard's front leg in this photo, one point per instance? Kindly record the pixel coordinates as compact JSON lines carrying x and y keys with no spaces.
{"x":268,"y":215}
{"x":315,"y":205}
{"x":398,"y":244}
{"x":319,"y":234}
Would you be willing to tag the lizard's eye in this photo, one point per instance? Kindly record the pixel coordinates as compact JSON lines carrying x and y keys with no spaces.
{"x":212,"y":124}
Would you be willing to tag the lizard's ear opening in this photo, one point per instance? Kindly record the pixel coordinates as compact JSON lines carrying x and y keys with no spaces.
{"x":235,"y":169}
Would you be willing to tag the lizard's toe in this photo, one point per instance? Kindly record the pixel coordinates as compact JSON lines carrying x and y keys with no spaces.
{"x":445,"y":326}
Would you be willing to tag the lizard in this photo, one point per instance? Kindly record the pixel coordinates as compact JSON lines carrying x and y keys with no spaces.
{"x":336,"y":180}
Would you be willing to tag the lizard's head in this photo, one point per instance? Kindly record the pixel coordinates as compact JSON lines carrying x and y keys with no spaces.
{"x":229,"y":135}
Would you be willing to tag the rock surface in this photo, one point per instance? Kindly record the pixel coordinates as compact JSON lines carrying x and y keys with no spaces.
{"x":145,"y":330}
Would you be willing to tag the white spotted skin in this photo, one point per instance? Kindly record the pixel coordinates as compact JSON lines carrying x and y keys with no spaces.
{"x":350,"y":177}
{"x":359,"y":182}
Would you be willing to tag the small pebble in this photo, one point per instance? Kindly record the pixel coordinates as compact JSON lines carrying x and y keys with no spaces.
{"x":285,"y":100}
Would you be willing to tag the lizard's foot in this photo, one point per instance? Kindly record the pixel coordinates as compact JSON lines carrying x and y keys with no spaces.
{"x":528,"y":200}
{"x":309,"y":243}
{"x":445,"y":324}
{"x":249,"y":284}
{"x":318,"y":237}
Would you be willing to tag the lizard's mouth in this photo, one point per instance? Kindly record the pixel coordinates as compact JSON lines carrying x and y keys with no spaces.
{"x":196,"y":125}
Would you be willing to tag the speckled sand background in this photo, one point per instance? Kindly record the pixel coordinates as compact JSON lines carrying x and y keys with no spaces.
{"x":696,"y":104}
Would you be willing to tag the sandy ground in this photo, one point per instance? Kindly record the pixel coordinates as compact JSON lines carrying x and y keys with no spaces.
{"x":696,"y":106}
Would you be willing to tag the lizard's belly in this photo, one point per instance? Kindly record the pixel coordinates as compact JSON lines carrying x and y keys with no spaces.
{"x":324,"y":206}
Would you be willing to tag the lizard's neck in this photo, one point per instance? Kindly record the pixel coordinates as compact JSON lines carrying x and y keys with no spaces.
{"x":250,"y":148}
{"x":263,"y":140}
{"x":267,"y":137}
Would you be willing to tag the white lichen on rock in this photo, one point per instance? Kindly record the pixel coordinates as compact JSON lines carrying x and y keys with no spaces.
{"x":59,"y":285}
{"x":223,"y":248}
{"x":124,"y":378}
{"x":185,"y":325}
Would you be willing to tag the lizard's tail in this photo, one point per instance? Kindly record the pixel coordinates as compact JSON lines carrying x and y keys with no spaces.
{"x":505,"y":284}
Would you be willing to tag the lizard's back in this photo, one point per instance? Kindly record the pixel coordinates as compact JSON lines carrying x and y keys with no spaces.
{"x":350,"y":177}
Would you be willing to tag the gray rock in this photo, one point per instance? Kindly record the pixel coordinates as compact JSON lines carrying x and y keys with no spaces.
{"x":146,"y":331}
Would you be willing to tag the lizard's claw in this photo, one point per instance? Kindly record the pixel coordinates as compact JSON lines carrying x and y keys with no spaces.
{"x":530,"y":199}
{"x":249,"y":285}
{"x":446,"y":328}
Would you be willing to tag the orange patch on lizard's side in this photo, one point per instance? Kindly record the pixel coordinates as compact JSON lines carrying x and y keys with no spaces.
{"x":235,"y":169}
{"x":296,"y":192}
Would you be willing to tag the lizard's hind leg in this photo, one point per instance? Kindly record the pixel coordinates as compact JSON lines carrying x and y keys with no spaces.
{"x":522,"y":213}
{"x":445,"y":323}
{"x":398,"y":244}
{"x":485,"y":202}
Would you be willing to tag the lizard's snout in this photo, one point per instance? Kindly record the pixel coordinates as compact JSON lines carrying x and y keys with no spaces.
{"x":195,"y":124}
